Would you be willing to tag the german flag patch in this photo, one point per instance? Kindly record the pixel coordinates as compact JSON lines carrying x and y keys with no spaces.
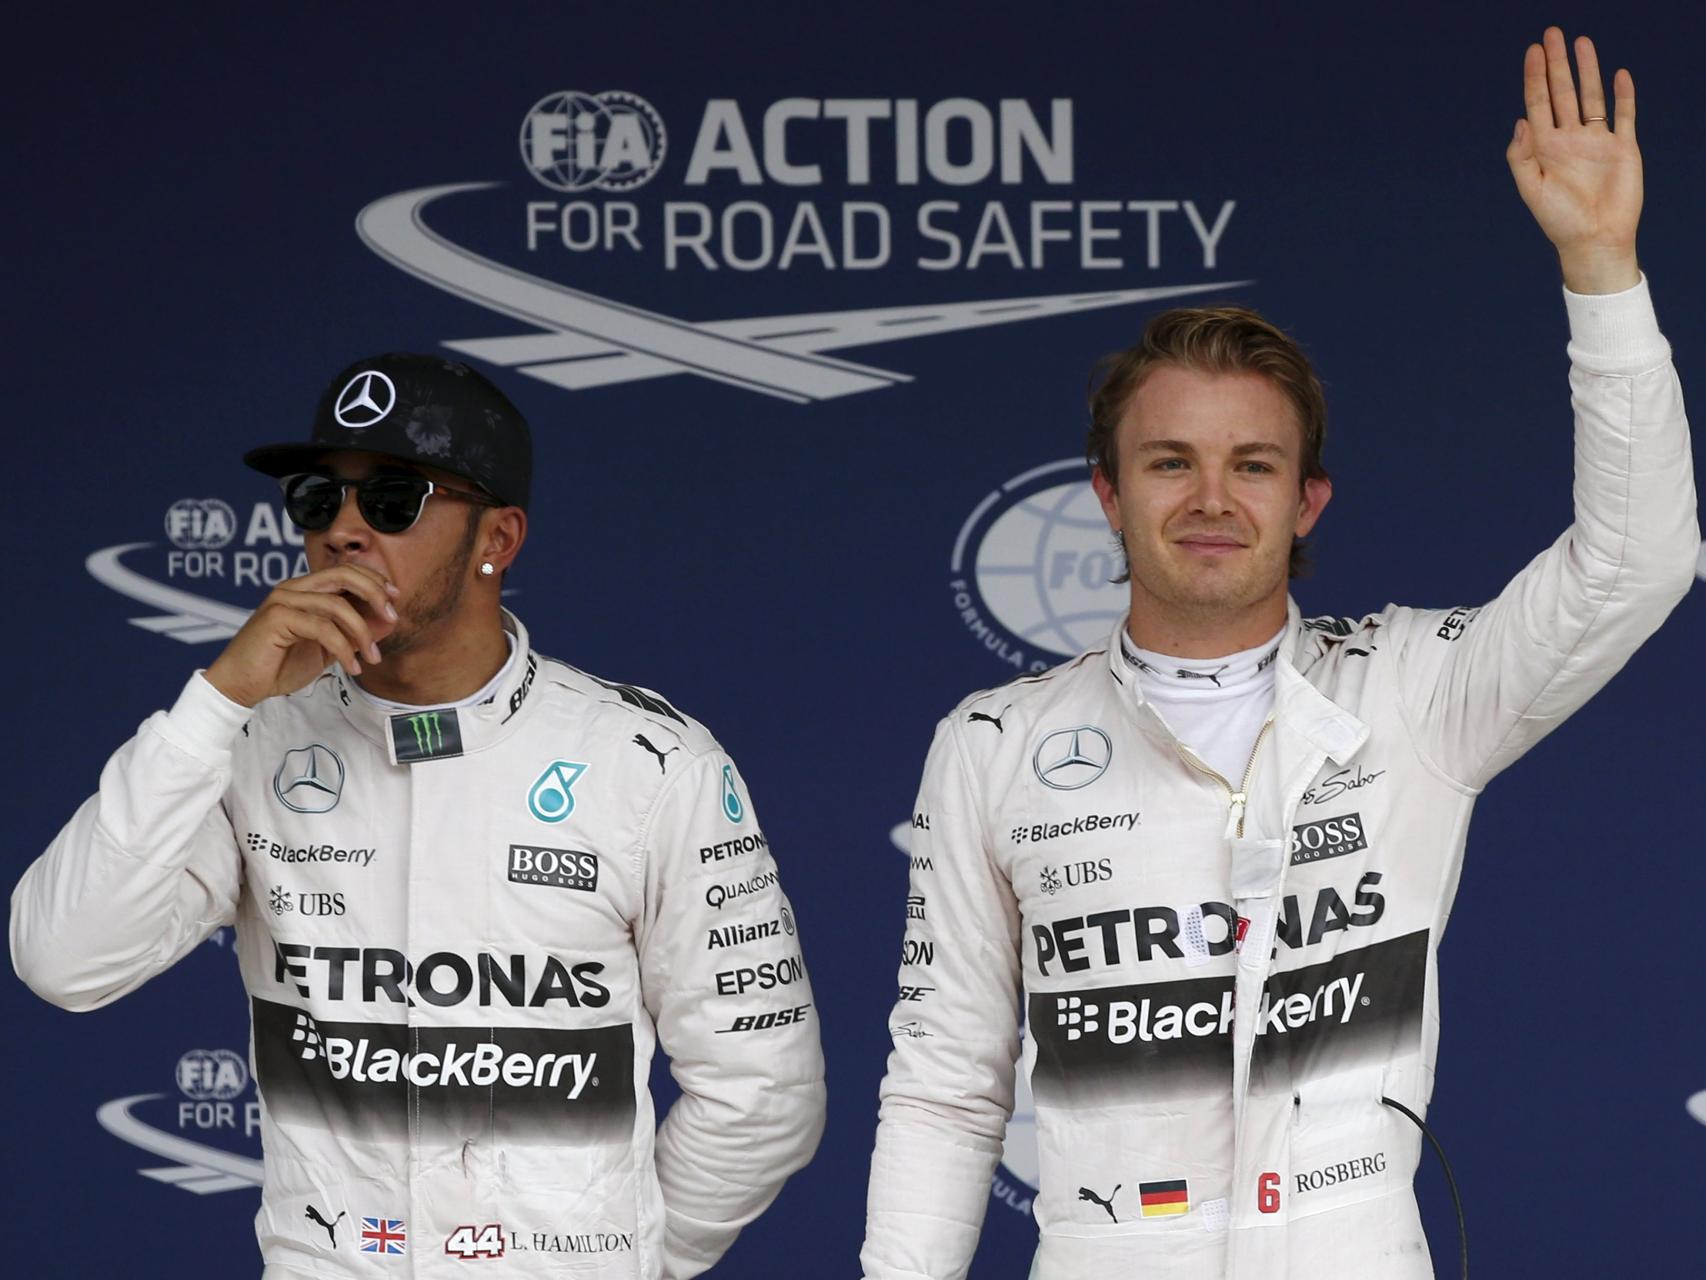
{"x":1164,"y":1199}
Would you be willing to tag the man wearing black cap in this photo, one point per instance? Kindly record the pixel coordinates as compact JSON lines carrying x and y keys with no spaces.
{"x":473,"y":888}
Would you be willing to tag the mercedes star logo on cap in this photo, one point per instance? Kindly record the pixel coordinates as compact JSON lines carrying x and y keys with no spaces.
{"x":1071,"y":758}
{"x":365,"y":399}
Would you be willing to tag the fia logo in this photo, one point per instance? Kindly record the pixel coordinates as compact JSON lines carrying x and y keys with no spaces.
{"x":574,"y":141}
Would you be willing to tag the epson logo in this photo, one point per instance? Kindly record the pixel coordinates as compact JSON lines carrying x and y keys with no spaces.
{"x":1343,"y":1171}
{"x":560,"y":868}
{"x":1328,"y":838}
{"x":442,"y":979}
{"x":763,"y":977}
{"x":918,"y":951}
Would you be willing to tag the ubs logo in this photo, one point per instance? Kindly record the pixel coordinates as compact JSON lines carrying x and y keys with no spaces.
{"x":1068,"y":759}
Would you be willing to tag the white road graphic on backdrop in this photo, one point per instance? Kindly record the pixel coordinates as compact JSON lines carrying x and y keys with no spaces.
{"x":190,"y":618}
{"x":200,"y":1168}
{"x":592,"y":341}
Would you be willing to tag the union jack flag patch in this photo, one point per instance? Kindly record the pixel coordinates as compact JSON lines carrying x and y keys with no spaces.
{"x":383,"y":1235}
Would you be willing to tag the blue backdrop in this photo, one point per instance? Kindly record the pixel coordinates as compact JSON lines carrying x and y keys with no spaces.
{"x":817,"y":294}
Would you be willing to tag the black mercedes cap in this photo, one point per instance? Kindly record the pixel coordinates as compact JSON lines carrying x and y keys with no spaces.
{"x":423,"y":409}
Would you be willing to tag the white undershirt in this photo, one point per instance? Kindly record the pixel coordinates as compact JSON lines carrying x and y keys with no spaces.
{"x":1214,"y":706}
{"x":486,"y":693}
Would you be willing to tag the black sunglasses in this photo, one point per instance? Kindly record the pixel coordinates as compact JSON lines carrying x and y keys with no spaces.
{"x":390,"y":501}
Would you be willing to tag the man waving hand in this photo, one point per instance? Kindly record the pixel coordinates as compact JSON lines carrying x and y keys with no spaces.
{"x":1211,"y":860}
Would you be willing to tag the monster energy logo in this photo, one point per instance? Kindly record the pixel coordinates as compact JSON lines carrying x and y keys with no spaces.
{"x":426,"y":735}
{"x":429,"y":734}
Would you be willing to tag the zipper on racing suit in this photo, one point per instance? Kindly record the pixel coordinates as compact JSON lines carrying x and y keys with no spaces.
{"x":1238,"y":799}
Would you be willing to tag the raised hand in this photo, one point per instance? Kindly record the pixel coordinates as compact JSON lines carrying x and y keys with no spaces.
{"x":1577,"y":166}
{"x":303,"y":626}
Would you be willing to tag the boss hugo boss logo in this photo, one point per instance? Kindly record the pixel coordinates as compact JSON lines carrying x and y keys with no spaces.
{"x":559,"y":868}
{"x":1327,"y":838}
{"x":309,"y":779}
{"x":1068,"y":759}
{"x":365,"y":400}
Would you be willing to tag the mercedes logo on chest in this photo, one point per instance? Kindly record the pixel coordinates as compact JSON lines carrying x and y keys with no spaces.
{"x":310,"y":779}
{"x":365,"y":399}
{"x":1068,"y":759}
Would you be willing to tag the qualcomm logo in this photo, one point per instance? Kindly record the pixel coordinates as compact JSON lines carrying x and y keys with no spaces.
{"x":1032,"y":570}
{"x":1019,"y":1158}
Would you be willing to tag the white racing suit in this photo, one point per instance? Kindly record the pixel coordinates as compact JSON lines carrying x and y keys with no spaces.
{"x":462,"y":935}
{"x":1221,"y":980}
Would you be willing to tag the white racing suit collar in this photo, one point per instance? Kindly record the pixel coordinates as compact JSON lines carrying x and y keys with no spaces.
{"x":444,"y":733}
{"x":1298,"y":705}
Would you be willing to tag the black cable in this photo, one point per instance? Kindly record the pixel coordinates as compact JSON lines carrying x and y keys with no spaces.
{"x":1450,"y":1181}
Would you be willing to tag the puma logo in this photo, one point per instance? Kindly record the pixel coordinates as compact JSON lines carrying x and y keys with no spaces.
{"x":640,"y":740}
{"x":994,"y":720}
{"x":1084,"y":1193}
{"x":331,"y":1227}
{"x":1203,"y":675}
